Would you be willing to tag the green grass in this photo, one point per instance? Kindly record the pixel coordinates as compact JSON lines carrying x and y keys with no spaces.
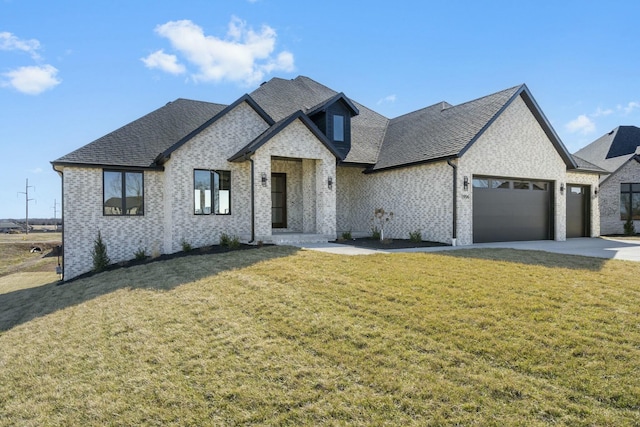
{"x":276,"y":336}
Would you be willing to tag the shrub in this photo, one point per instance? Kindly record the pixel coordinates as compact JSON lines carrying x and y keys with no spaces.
{"x":231,"y":242}
{"x":99,"y":254}
{"x":346,"y":235}
{"x":141,"y":253}
{"x":629,"y":227}
{"x":186,"y":246}
{"x":415,"y":236}
{"x":380,"y":218}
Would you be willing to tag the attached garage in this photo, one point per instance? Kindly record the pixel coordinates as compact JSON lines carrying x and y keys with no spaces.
{"x":506,"y":209}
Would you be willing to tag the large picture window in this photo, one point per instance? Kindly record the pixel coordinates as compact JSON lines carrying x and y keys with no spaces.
{"x":212,"y":192}
{"x":630,"y":201}
{"x":123,"y":193}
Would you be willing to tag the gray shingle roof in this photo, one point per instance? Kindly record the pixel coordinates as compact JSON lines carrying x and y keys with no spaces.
{"x":612,"y":149}
{"x":584,"y":165}
{"x":438,"y":131}
{"x":138,"y":143}
{"x":280,"y":98}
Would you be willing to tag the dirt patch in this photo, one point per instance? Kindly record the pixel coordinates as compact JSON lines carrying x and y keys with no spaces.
{"x":387,"y":244}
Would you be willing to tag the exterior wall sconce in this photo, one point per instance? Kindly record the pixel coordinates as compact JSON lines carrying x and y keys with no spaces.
{"x":465,"y":183}
{"x":595,"y":192}
{"x":264,"y":179}
{"x":562,"y":188}
{"x":330,"y":183}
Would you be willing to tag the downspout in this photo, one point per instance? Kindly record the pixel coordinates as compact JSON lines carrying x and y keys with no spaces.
{"x":60,"y":268}
{"x":253,"y":201}
{"x":455,"y":203}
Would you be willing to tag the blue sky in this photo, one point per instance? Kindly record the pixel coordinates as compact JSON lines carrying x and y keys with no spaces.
{"x":72,"y":71}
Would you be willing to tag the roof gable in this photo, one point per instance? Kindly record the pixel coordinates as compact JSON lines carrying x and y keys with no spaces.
{"x":138,"y":143}
{"x":341,"y":97}
{"x":443,"y":131}
{"x":276,"y":128}
{"x":162,"y":157}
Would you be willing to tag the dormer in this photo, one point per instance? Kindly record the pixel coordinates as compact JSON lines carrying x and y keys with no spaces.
{"x":333,"y":118}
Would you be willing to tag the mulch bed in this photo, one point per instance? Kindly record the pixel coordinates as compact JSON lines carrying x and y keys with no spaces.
{"x":214,"y":249}
{"x":370,"y":243}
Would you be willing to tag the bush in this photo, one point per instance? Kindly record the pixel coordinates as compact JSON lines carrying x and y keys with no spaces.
{"x":629,"y":227}
{"x":141,"y":253}
{"x":347,"y":235}
{"x":230,"y":242}
{"x":99,"y":254}
{"x":415,"y":236}
{"x":186,"y":246}
{"x":375,"y":233}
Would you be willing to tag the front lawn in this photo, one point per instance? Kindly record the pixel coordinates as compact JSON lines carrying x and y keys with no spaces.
{"x":279,"y":336}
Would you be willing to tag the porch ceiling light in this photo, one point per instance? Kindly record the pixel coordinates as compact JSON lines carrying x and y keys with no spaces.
{"x":330,"y":183}
{"x":264,"y":179}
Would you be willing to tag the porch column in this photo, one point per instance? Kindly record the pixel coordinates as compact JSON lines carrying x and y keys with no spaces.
{"x":262,"y":196}
{"x":309,"y":196}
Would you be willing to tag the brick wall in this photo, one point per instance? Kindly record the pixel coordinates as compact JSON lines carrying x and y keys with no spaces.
{"x":609,"y":194}
{"x":123,"y":235}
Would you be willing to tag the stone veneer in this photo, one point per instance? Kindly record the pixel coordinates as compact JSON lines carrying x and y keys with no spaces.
{"x":609,"y":193}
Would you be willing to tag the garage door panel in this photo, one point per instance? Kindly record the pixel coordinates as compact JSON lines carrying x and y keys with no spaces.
{"x":508,"y":214}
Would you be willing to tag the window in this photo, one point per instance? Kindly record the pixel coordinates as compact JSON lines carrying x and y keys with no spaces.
{"x":480,"y":183}
{"x":212,"y":192}
{"x":520,"y":185}
{"x":499,"y":183}
{"x":630,"y":201}
{"x":123,"y":193}
{"x":541,"y":186}
{"x":338,"y":128}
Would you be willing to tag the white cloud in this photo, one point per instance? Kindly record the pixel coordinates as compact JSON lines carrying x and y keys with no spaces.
{"x":600,"y":112}
{"x":9,"y":41}
{"x":35,"y":170}
{"x":582,"y":124}
{"x":244,"y":55}
{"x":32,"y":80}
{"x":165,"y":62}
{"x":628,"y":109}
{"x":389,"y":98}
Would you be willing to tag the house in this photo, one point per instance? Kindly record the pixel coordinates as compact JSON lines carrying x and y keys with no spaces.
{"x":9,"y":227}
{"x":618,"y":153}
{"x":297,"y":161}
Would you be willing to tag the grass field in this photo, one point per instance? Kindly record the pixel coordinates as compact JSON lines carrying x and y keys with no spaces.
{"x":279,"y":336}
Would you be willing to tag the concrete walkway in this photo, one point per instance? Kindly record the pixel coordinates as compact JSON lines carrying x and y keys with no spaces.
{"x":598,"y":247}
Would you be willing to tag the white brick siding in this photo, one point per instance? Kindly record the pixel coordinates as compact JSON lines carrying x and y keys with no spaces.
{"x":610,"y":222}
{"x":514,"y":146}
{"x":297,"y":142}
{"x":123,"y":235}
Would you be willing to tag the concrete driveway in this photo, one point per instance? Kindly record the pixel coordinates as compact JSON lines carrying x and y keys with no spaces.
{"x":599,"y":247}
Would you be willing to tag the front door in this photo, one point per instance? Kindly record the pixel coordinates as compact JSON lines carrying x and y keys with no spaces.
{"x":279,"y":200}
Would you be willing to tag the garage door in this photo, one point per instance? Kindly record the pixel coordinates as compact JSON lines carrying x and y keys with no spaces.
{"x":511,"y":209}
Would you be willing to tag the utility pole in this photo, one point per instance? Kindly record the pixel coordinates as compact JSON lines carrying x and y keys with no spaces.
{"x":27,"y":200}
{"x":55,"y":214}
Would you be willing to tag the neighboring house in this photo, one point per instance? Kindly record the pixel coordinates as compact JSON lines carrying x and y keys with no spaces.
{"x":618,"y":153}
{"x":297,"y":161}
{"x":9,"y":227}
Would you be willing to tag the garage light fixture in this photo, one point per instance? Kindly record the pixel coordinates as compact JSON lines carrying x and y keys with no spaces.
{"x":595,"y":192}
{"x":330,"y":183}
{"x":264,"y":179}
{"x":562,"y":188}
{"x":465,"y":183}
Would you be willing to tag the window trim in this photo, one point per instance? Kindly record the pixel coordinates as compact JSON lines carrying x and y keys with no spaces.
{"x":215,"y":190}
{"x":123,"y":192}
{"x":344,"y":125}
{"x":631,"y":192}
